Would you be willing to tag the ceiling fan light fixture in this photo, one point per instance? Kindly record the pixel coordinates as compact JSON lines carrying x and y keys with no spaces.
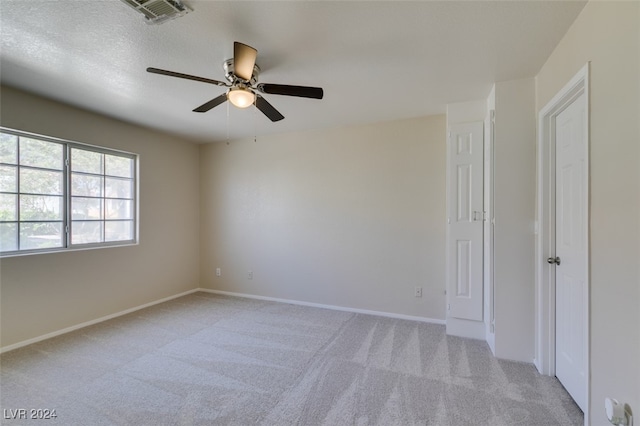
{"x":241,"y":97}
{"x":242,"y":72}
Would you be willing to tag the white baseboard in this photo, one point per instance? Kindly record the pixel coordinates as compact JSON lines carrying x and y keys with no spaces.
{"x":92,"y":322}
{"x":227,"y":293}
{"x":332,"y":307}
{"x":536,"y":363}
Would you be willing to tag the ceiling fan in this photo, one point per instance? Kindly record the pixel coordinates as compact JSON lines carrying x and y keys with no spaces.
{"x":242,"y":73}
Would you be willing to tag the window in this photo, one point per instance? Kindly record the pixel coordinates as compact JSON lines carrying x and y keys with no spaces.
{"x":59,"y":195}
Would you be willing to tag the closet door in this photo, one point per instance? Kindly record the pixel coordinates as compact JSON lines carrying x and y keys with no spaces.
{"x":465,"y":220}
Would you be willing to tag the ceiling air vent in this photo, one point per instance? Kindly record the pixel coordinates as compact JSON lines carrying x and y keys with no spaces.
{"x":159,"y":11}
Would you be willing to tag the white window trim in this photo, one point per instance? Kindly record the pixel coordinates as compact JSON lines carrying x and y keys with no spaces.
{"x":66,"y":223}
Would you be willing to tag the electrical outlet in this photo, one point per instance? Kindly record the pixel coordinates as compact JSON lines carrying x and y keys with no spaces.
{"x":250,"y":274}
{"x":218,"y":272}
{"x":417,"y":292}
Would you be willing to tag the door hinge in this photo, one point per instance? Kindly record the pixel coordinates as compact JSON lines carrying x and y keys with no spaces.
{"x":448,"y":306}
{"x":66,"y":229}
{"x":66,"y":162}
{"x":479,"y":216}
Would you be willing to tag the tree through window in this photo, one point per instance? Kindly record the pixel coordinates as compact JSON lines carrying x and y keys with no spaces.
{"x":57,"y":195}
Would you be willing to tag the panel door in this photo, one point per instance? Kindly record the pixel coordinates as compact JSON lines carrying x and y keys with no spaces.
{"x":571,"y":249}
{"x":465,"y":220}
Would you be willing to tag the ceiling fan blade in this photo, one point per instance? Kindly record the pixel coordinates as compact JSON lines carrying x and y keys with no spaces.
{"x":299,"y":91}
{"x":212,"y":103}
{"x":268,"y":109}
{"x":244,"y":59}
{"x":186,"y":76}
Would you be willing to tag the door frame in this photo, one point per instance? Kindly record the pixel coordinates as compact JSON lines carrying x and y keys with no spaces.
{"x":545,"y":228}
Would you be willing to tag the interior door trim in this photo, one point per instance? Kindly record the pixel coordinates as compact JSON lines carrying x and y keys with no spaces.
{"x":545,"y":303}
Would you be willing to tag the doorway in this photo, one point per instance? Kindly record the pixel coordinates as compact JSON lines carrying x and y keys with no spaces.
{"x":562,"y":244}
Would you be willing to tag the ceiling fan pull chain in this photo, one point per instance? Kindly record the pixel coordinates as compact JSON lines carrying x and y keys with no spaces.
{"x":255,"y":125}
{"x":227,"y":123}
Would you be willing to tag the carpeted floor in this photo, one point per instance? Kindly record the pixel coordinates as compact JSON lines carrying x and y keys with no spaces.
{"x":205,"y":359}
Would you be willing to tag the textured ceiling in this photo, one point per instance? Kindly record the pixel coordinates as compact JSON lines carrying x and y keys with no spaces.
{"x":376,"y":61}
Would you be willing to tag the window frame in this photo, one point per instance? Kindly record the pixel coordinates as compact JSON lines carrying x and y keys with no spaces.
{"x":66,"y":194}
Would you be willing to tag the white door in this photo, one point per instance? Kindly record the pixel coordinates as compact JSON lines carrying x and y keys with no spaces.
{"x":571,"y":249}
{"x":465,"y":218}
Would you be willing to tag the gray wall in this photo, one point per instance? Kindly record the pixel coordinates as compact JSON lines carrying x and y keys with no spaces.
{"x":45,"y":293}
{"x":350,"y":217}
{"x":514,"y":209}
{"x":608,"y":35}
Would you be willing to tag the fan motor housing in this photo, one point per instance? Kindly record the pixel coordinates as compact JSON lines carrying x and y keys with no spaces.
{"x":229,"y":73}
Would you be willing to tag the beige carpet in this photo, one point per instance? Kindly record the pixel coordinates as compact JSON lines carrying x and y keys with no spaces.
{"x":205,"y":359}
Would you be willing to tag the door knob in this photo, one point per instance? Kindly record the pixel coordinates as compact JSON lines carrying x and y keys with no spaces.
{"x":553,"y":260}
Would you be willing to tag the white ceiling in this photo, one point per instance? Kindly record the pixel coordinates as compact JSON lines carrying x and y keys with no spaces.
{"x":377,"y":61}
